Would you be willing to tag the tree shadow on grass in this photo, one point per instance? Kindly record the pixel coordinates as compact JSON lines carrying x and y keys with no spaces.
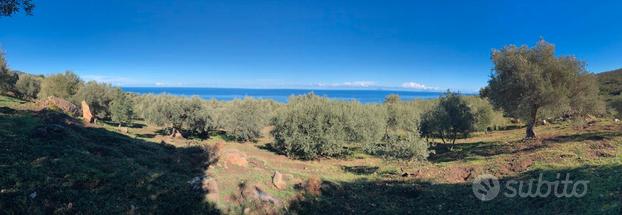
{"x":52,"y":164}
{"x":589,"y":136}
{"x":360,"y":170}
{"x":419,"y":197}
{"x":466,"y":151}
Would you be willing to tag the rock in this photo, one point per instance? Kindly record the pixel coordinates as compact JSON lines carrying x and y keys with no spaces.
{"x":254,"y":192}
{"x":234,"y":157}
{"x":277,"y":180}
{"x":62,"y":104}
{"x":87,"y":116}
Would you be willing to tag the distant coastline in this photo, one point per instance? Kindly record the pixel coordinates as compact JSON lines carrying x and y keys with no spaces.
{"x":281,"y":95}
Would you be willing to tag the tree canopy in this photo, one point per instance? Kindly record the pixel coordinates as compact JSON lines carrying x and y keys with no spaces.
{"x":450,"y":118}
{"x":10,"y":7}
{"x":62,"y":85}
{"x":7,"y":78}
{"x":529,"y":81}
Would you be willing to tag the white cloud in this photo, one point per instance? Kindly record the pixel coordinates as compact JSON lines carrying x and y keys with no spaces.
{"x":107,"y":79}
{"x":415,"y":85}
{"x":350,"y":84}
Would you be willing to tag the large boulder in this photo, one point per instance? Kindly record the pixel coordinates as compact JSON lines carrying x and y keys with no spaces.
{"x":277,"y":180}
{"x":62,"y":104}
{"x":87,"y":116}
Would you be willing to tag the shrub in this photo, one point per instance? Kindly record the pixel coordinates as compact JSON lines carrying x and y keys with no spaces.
{"x":402,"y":146}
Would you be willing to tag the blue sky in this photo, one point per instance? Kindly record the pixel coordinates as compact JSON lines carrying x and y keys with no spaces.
{"x":302,"y":44}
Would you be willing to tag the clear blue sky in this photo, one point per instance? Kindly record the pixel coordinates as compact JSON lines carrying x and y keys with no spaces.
{"x":300,"y":44}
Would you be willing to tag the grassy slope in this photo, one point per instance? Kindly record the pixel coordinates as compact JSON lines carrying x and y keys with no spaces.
{"x":362,"y":184}
{"x":90,"y":170}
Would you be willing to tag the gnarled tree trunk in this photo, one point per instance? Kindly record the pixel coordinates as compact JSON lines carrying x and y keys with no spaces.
{"x":530,"y":133}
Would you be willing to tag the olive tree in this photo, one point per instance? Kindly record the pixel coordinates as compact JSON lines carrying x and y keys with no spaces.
{"x":121,"y":110}
{"x":528,"y":81}
{"x":175,"y":113}
{"x":28,"y":86}
{"x":98,"y":96}
{"x":309,"y":128}
{"x":450,"y":118}
{"x":62,"y":85}
{"x":7,"y":78}
{"x":245,"y":119}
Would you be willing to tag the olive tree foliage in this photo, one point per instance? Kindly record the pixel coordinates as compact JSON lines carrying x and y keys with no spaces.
{"x":241,"y":119}
{"x":173,"y":112}
{"x":616,"y":106}
{"x":98,"y":96}
{"x":246,"y":117}
{"x":312,"y":127}
{"x":28,"y":86}
{"x":527,"y":82}
{"x":400,"y":134}
{"x":62,"y":85}
{"x":452,"y":117}
{"x":10,"y":7}
{"x":7,"y":77}
{"x":121,"y":109}
{"x":485,"y":117}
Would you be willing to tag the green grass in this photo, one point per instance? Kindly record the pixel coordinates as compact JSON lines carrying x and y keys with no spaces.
{"x":6,"y":101}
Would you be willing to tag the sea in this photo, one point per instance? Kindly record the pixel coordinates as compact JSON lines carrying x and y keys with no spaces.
{"x":281,"y":95}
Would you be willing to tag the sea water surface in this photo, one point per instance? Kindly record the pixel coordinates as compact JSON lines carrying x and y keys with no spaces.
{"x":281,"y":95}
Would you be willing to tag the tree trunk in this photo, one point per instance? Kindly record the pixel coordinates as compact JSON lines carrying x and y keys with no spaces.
{"x":173,"y":132}
{"x":530,"y":133}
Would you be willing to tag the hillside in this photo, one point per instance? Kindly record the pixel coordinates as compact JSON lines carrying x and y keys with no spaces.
{"x":51,"y":163}
{"x":610,"y":82}
{"x":99,"y":169}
